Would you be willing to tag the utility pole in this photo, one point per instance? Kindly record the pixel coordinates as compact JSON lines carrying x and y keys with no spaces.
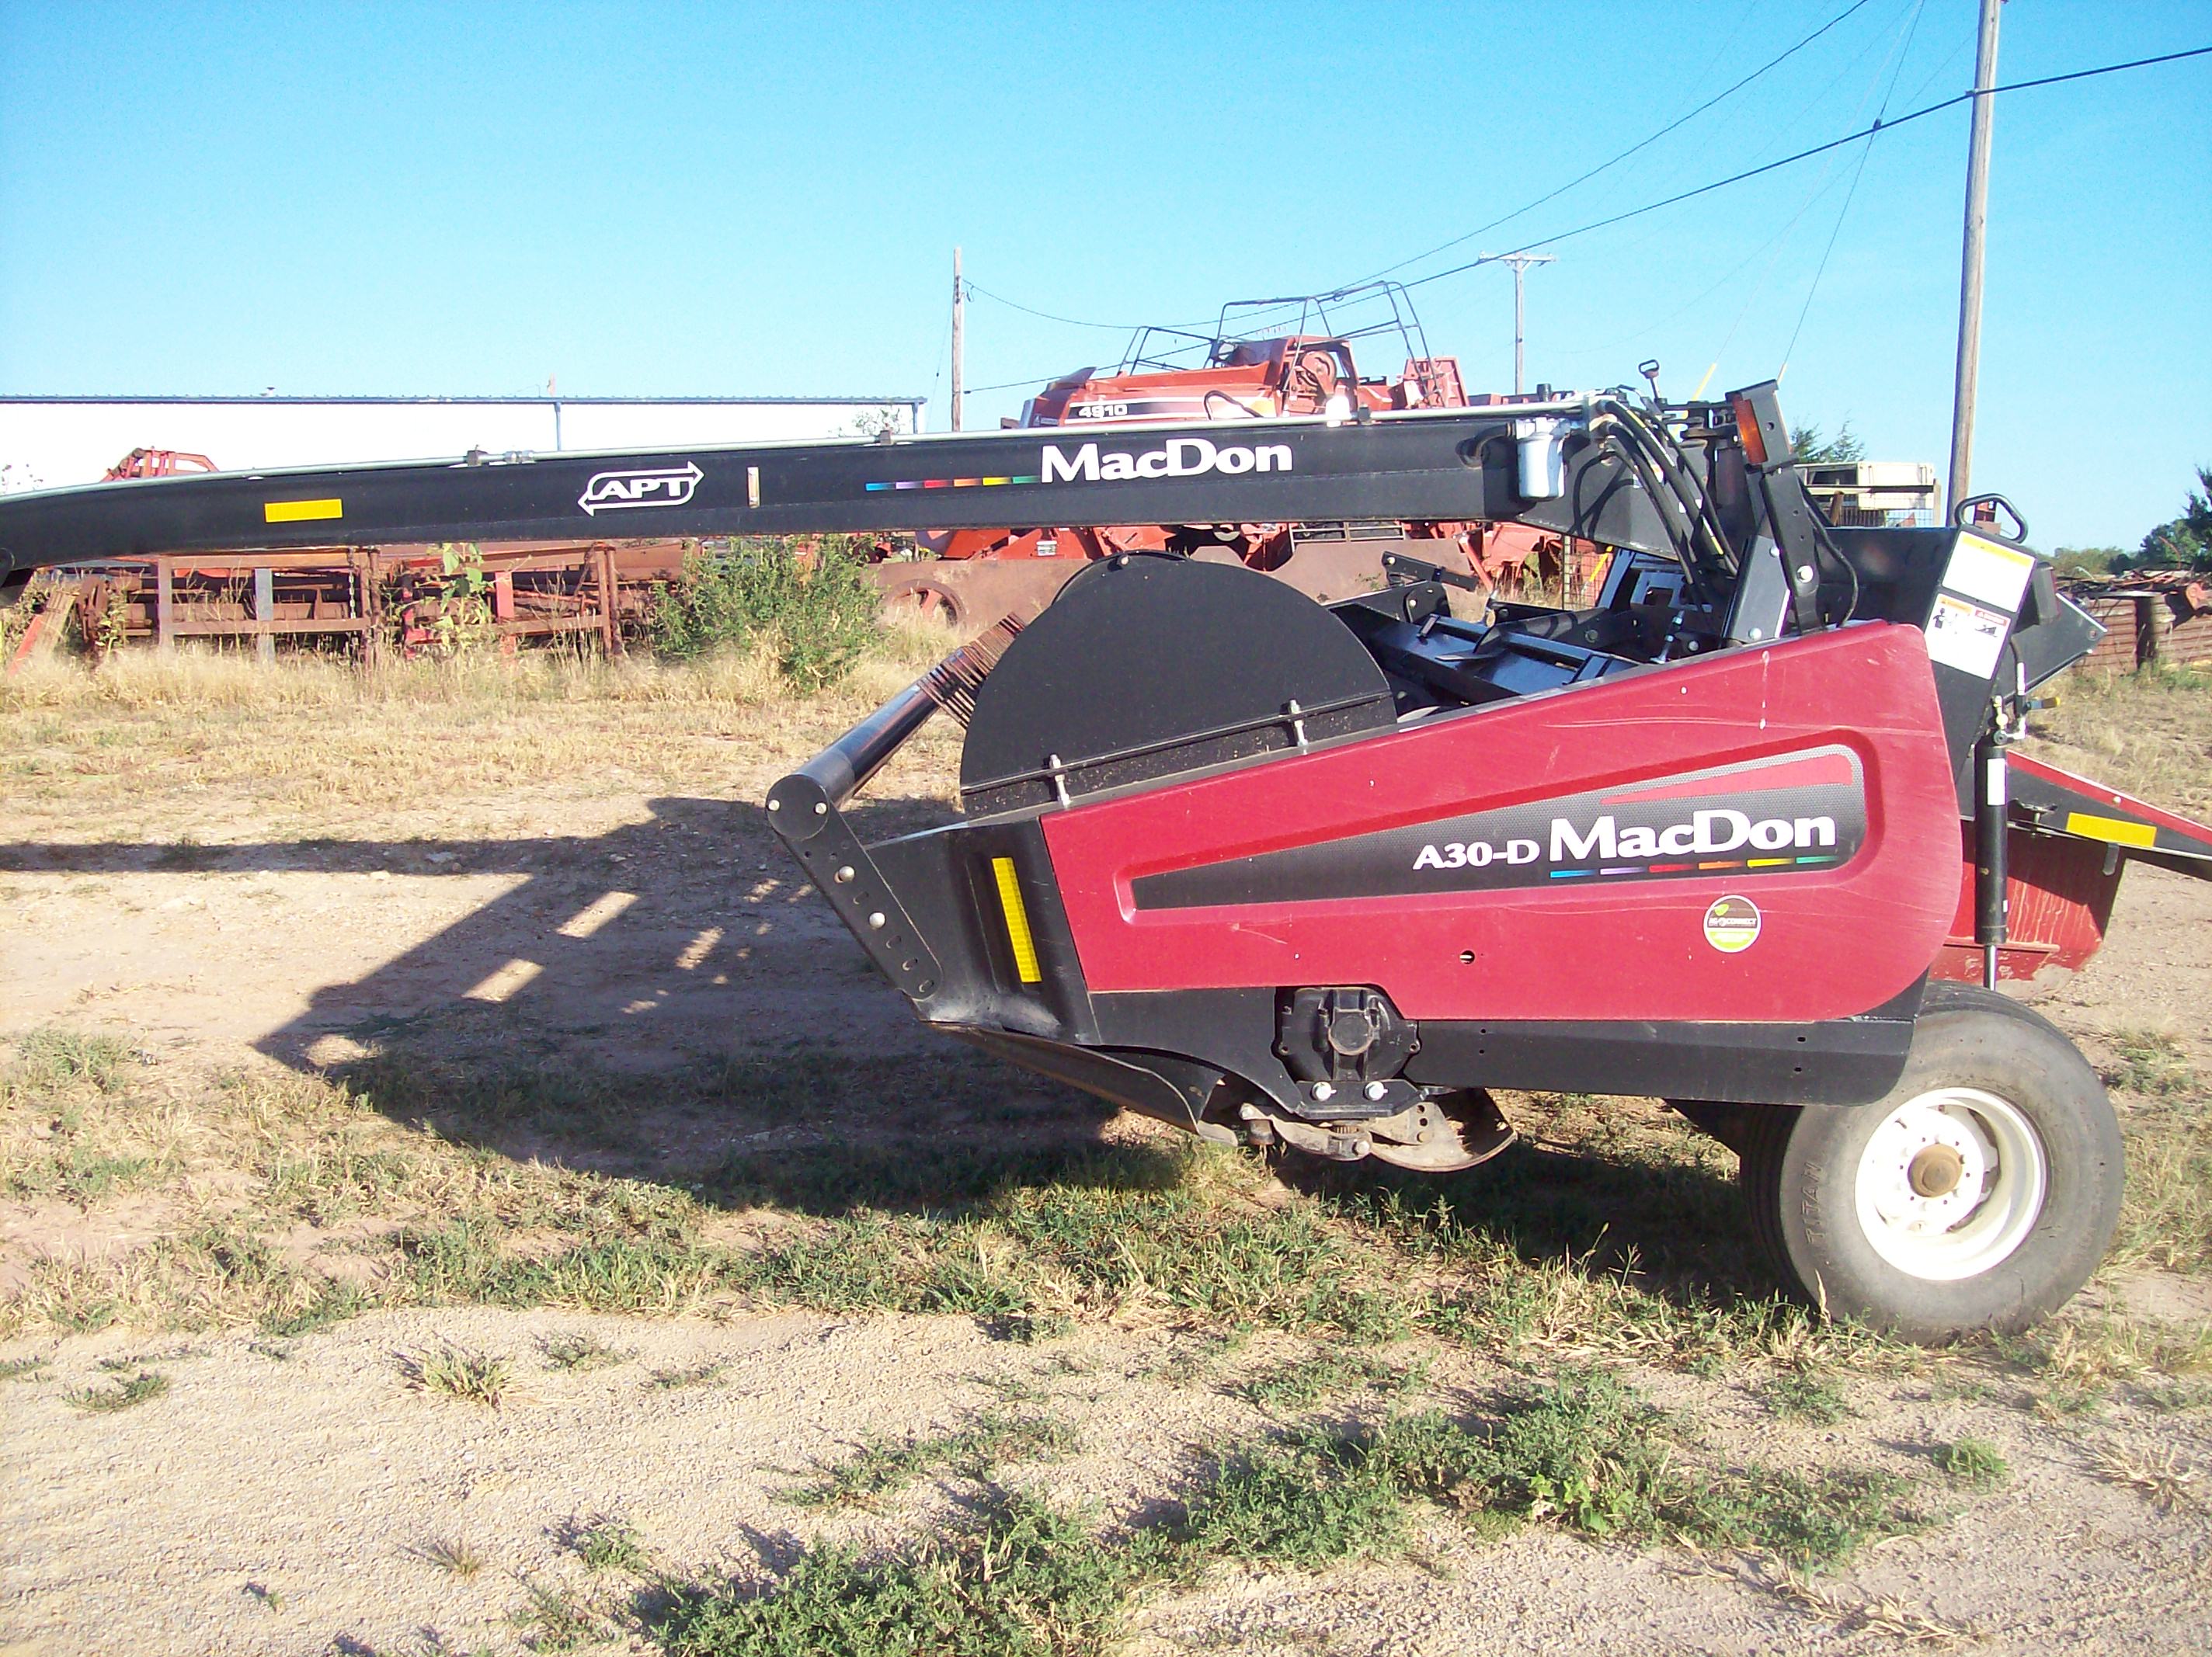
{"x":1960,"y":483}
{"x":1520,"y":263}
{"x":959,"y":318}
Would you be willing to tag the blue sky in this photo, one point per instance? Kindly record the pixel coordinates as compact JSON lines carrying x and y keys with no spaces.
{"x":666,"y":199}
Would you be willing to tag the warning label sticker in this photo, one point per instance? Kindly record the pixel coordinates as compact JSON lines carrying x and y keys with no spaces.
{"x":1983,"y":570}
{"x":1966,"y":636}
{"x":1732,"y":924}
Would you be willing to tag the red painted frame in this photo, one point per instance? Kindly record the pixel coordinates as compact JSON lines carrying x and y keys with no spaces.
{"x":1833,"y":942}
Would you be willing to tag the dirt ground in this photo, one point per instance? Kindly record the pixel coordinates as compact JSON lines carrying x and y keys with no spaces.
{"x":302,"y":1496}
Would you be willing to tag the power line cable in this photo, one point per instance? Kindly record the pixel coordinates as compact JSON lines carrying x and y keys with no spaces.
{"x":1821,"y":185}
{"x":1641,"y":144}
{"x":1879,"y":125}
{"x":976,"y":289}
{"x":1807,"y":154}
{"x":1844,"y":212}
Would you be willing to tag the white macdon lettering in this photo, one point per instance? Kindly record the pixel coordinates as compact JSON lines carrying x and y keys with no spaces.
{"x":1059,"y":469}
{"x":1720,"y":830}
{"x":1568,"y":847}
{"x":1180,"y":457}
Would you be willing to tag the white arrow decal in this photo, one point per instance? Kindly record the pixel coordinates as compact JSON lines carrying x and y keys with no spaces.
{"x":669,"y":486}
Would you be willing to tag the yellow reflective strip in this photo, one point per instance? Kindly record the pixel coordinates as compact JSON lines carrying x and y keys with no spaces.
{"x":301,"y":511}
{"x":2089,"y":827}
{"x":1017,"y":922}
{"x":1767,"y":863}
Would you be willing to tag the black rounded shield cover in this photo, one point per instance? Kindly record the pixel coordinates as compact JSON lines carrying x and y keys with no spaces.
{"x":1152,"y":666}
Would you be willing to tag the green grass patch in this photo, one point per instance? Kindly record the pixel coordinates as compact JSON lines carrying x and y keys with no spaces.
{"x":580,"y":1354}
{"x":705,"y":1373}
{"x":882,"y":1467}
{"x":124,"y":1394}
{"x":811,"y":609}
{"x":1796,"y":1396}
{"x":21,"y":1369}
{"x":1019,"y":1579}
{"x":1974,"y":1462}
{"x":610,"y":1545}
{"x":1013,"y":1574}
{"x":470,"y":1377}
{"x":2151,"y":1063}
{"x":53,"y":1061}
{"x":1330,"y":1372}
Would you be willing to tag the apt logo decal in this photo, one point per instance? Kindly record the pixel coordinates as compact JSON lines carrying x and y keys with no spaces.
{"x":658,"y":485}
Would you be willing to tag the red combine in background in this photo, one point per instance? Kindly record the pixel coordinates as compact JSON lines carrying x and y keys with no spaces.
{"x":1240,"y":371}
{"x":158,"y":463}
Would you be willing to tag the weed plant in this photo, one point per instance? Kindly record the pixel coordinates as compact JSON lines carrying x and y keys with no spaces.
{"x":810,"y":608}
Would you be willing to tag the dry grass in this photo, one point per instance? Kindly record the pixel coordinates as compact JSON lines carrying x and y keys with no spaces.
{"x":2151,"y":734}
{"x":453,"y":1555}
{"x":1613,"y":1236}
{"x":2148,"y":733}
{"x":152,"y":746}
{"x":1895,"y":1624}
{"x":2158,"y":1475}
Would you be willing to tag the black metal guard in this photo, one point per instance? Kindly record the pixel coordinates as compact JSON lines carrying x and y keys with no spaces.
{"x":804,"y":809}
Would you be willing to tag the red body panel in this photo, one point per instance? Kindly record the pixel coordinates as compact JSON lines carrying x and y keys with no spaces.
{"x":2058,"y":901}
{"x":1833,"y":942}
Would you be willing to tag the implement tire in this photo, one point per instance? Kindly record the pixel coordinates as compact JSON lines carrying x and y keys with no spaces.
{"x":1978,"y":1195}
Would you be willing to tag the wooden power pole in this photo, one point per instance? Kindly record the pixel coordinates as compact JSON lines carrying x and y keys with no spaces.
{"x":1960,"y":483}
{"x":959,"y":317}
{"x":1520,"y":263}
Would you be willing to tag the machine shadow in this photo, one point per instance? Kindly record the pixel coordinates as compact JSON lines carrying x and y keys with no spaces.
{"x":1682,"y":1230}
{"x":670,"y":1001}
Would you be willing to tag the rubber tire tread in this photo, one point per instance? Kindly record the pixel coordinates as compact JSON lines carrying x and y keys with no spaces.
{"x":1767,"y":1142}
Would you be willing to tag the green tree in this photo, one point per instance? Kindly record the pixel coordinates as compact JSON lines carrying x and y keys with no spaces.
{"x":2088,"y":560}
{"x":2183,"y":543}
{"x":1815,"y":448}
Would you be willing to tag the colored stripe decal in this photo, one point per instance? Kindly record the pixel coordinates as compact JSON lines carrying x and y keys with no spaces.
{"x":948,"y":482}
{"x":2089,"y":826}
{"x":301,"y":511}
{"x":1683,"y":868}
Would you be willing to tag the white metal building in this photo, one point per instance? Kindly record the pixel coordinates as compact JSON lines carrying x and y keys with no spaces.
{"x":47,"y":442}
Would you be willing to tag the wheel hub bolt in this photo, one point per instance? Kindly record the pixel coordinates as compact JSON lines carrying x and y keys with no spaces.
{"x":1936,"y":1171}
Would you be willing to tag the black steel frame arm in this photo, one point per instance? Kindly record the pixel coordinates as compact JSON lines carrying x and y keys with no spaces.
{"x":1428,"y":465}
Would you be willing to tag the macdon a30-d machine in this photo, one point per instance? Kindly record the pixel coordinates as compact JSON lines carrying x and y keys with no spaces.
{"x":1744,"y":834}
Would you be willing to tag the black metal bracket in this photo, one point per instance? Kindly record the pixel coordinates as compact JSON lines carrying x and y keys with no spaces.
{"x":841,"y":870}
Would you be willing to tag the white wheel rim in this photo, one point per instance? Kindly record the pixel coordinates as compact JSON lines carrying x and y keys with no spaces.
{"x":2001,"y":1176}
